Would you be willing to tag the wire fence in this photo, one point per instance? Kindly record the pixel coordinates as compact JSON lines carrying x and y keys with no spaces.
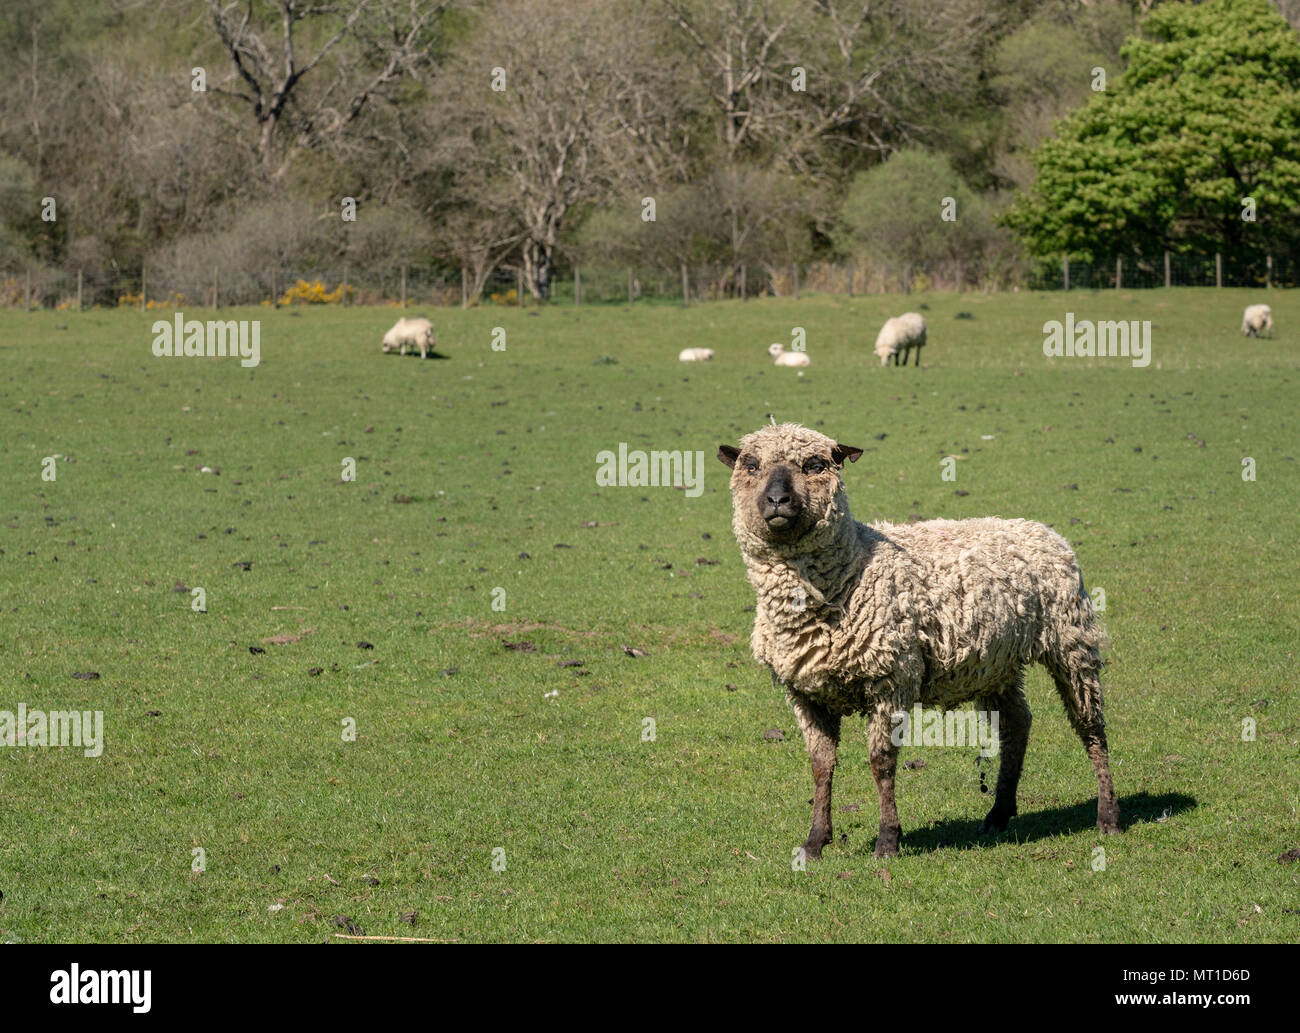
{"x":412,"y":284}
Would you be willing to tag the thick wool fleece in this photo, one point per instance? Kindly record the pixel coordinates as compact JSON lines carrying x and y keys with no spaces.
{"x":874,"y":618}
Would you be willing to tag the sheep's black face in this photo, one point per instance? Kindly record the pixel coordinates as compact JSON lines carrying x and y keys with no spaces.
{"x":784,"y":482}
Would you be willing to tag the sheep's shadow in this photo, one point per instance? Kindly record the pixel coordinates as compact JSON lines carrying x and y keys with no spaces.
{"x":1046,"y":823}
{"x":432,"y":355}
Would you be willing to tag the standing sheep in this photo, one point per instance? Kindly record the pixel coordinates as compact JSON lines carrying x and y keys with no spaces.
{"x":418,"y":333}
{"x":781,"y":357}
{"x":902,"y":333}
{"x":876,"y":619}
{"x":1256,"y":319}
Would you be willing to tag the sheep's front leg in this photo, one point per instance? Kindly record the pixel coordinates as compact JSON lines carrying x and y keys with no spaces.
{"x":821,"y":734}
{"x":884,"y":758}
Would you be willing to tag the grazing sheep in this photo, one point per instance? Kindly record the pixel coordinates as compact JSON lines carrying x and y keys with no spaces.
{"x":1257,"y":319}
{"x":781,"y":357}
{"x":876,"y":619}
{"x":902,"y":333}
{"x":418,"y":333}
{"x":696,"y":355}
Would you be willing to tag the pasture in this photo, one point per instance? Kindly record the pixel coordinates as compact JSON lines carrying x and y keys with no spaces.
{"x":477,"y":473}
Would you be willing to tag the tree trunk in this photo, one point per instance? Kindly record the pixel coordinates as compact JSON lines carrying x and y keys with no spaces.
{"x":538,"y":268}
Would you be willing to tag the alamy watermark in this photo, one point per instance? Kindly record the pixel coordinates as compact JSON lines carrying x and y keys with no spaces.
{"x":80,"y":728}
{"x":951,"y":728}
{"x":93,"y":986}
{"x":640,"y":469}
{"x":1109,"y":338}
{"x":217,"y":338}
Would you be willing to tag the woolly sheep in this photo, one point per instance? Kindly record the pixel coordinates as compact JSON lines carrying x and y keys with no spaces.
{"x":1256,"y":319}
{"x":902,"y":333}
{"x":781,"y":357}
{"x":696,"y":355}
{"x":876,"y":619}
{"x":418,"y":333}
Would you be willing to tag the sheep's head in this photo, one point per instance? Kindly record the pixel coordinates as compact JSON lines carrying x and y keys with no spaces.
{"x":785,"y":488}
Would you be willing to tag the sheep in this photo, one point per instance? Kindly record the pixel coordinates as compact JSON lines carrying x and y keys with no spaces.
{"x":902,"y":333}
{"x":879,"y":619}
{"x":1256,"y":319}
{"x":696,"y":355}
{"x":781,"y":357}
{"x":418,"y":333}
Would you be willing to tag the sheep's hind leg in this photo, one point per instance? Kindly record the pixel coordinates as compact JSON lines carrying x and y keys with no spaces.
{"x":821,"y":734}
{"x":1014,"y":719}
{"x":1079,"y":687}
{"x":884,"y":759}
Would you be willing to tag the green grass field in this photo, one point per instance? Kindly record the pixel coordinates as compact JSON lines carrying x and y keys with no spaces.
{"x":477,"y":473}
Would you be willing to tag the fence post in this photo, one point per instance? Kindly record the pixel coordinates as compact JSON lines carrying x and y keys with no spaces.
{"x":742,"y":281}
{"x":629,"y":285}
{"x":851,"y":272}
{"x":1167,"y":280}
{"x":1268,"y":273}
{"x":1065,"y":269}
{"x":795,"y":268}
{"x":79,"y":289}
{"x":1218,"y":269}
{"x":577,"y":285}
{"x":216,"y":289}
{"x":345,"y":286}
{"x":275,"y":289}
{"x":403,"y":285}
{"x":519,"y":286}
{"x":143,"y":292}
{"x":1119,"y":272}
{"x":464,"y":287}
{"x":27,"y":295}
{"x":686,"y":287}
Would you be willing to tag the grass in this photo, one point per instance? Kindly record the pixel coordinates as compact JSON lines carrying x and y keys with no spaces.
{"x":605,"y":836}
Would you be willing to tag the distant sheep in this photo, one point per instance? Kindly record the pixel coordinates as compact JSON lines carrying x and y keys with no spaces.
{"x":1257,"y":319}
{"x":902,"y":333}
{"x":418,"y":333}
{"x":696,"y":355}
{"x":781,"y":357}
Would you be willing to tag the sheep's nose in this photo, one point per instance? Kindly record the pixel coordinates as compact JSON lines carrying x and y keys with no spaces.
{"x":778,"y":498}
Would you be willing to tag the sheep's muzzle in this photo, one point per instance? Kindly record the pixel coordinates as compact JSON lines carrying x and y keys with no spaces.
{"x":778,"y":503}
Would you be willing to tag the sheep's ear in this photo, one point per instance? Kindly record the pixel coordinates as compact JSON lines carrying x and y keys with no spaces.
{"x":842,"y":452}
{"x":728,"y":455}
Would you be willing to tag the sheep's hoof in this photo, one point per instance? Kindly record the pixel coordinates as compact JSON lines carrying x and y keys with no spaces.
{"x":812,"y":846}
{"x":887,"y":843}
{"x":996,"y":821}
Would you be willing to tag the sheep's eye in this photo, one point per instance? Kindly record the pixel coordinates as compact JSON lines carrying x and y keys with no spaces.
{"x":814,"y":465}
{"x":751,"y":464}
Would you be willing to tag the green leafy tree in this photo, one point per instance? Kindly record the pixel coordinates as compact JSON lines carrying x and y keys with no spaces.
{"x":1206,"y":115}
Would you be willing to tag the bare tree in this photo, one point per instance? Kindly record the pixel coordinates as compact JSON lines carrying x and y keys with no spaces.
{"x":548,"y":107}
{"x":391,"y":39}
{"x":795,"y":84}
{"x":787,"y":78}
